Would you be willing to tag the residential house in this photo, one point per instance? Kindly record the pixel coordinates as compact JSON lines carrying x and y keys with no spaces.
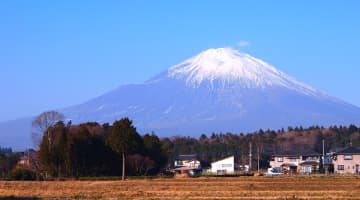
{"x":296,"y":162}
{"x":190,"y":161}
{"x":27,"y":157}
{"x":224,"y":166}
{"x":187,"y":164}
{"x":347,"y":161}
{"x":310,"y":163}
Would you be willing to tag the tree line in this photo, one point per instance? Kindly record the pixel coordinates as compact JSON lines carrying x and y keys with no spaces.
{"x":8,"y":160}
{"x":148,"y":155}
{"x":91,"y":149}
{"x":265,"y":143}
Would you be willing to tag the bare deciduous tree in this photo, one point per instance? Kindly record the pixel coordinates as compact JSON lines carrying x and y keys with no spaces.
{"x":141,"y":165}
{"x":41,"y":123}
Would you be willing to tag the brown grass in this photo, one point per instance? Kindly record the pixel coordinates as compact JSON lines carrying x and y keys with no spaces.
{"x":300,"y":187}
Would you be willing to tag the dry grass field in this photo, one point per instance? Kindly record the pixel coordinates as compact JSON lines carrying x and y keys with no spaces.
{"x":300,"y":187}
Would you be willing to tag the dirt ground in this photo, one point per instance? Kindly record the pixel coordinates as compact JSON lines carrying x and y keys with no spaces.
{"x":299,"y":187}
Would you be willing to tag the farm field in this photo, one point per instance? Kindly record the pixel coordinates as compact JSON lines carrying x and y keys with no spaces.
{"x":297,"y":187}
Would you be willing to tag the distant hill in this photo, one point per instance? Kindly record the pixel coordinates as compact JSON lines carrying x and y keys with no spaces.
{"x":16,"y":134}
{"x":291,"y":141}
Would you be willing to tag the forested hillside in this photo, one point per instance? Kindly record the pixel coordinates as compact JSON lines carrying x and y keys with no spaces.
{"x":265,"y":143}
{"x":91,"y":149}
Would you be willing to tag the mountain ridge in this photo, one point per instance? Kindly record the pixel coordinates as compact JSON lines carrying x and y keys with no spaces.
{"x":188,"y":88}
{"x":218,"y":90}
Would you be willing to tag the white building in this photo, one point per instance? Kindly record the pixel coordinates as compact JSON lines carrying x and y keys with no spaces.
{"x":224,"y":166}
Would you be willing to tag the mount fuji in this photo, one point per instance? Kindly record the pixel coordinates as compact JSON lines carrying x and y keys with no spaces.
{"x":218,"y":90}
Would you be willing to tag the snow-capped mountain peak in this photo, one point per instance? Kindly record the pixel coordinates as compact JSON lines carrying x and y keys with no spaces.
{"x":229,"y":66}
{"x":218,"y":90}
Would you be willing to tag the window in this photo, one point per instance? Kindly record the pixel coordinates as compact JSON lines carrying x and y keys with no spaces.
{"x":307,"y":169}
{"x":226,"y":165}
{"x":280,"y":159}
{"x":311,"y":158}
{"x":348,"y":157}
{"x":341,"y":167}
{"x":179,"y":163}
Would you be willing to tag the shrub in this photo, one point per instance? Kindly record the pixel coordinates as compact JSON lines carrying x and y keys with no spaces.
{"x":21,"y":173}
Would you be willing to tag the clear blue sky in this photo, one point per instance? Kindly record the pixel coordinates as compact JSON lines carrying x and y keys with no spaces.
{"x":55,"y":54}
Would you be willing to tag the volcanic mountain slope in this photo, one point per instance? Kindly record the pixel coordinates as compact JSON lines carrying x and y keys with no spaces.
{"x":218,"y":90}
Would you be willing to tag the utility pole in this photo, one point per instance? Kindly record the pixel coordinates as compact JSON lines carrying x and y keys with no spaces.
{"x":258,"y":159}
{"x":250,"y":155}
{"x":323,"y":157}
{"x":323,"y":148}
{"x":28,"y":157}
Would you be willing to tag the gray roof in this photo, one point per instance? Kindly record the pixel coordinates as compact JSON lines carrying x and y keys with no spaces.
{"x":307,"y":163}
{"x":349,"y":150}
{"x":187,"y":157}
{"x":308,"y":152}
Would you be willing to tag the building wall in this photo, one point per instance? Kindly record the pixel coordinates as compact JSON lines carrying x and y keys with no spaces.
{"x":187,"y":163}
{"x":224,"y":166}
{"x":347,"y":164}
{"x":279,"y":160}
{"x":308,"y":169}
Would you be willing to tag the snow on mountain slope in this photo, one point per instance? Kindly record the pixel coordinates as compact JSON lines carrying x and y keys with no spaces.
{"x":218,"y":90}
{"x":230,"y":66}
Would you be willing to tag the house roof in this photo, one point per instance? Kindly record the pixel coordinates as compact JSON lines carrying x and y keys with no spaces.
{"x":222,"y":159}
{"x":187,"y":157}
{"x":307,"y":163}
{"x":308,"y":152}
{"x":336,"y":149}
{"x":289,"y":165}
{"x":185,"y":168}
{"x":349,"y":150}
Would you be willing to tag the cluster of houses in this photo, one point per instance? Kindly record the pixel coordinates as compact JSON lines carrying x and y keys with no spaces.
{"x":338,"y":161}
{"x":190,"y":165}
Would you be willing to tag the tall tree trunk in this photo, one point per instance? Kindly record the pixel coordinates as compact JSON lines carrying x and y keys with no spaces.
{"x":123,"y":166}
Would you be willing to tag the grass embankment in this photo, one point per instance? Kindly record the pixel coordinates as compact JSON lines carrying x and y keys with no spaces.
{"x":299,"y":187}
